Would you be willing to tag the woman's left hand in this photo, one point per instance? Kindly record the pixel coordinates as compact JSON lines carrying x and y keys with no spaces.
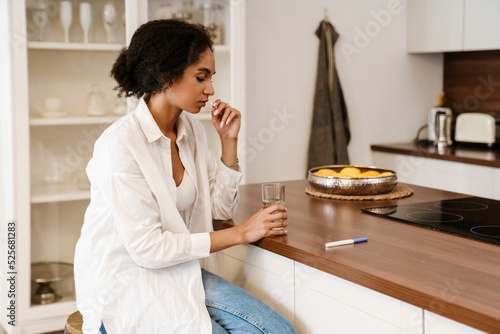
{"x":225,"y":119}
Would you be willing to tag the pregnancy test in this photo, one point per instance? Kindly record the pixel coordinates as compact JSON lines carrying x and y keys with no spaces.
{"x":345,"y":242}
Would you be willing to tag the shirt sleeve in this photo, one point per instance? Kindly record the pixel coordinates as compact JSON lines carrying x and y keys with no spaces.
{"x":224,"y":185}
{"x":148,"y":240}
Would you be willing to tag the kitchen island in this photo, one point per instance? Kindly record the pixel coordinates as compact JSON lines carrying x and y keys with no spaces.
{"x":451,"y":276}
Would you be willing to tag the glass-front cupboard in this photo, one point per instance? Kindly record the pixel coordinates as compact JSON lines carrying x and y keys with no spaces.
{"x":58,"y":99}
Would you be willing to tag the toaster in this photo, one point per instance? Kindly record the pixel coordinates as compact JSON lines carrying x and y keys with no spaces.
{"x":477,"y":128}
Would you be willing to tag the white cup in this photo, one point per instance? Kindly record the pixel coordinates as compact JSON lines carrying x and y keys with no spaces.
{"x":52,"y":104}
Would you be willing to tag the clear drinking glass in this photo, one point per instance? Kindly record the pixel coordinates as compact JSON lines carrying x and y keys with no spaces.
{"x":273,"y":193}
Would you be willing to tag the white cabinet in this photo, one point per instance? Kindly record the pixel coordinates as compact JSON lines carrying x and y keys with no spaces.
{"x":434,"y":25}
{"x":43,"y":188}
{"x":317,"y":302}
{"x":496,"y":183}
{"x":267,"y":276}
{"x":328,"y":304}
{"x":446,"y":175}
{"x":452,"y":25}
{"x":481,"y":25}
{"x":436,"y":324}
{"x":52,"y":141}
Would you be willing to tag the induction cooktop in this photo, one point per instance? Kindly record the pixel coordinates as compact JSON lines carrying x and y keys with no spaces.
{"x":471,"y":217}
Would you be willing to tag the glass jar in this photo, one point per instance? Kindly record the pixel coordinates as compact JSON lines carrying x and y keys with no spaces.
{"x":210,"y":20}
{"x":96,"y":102}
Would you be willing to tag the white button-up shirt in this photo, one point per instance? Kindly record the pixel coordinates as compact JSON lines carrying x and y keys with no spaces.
{"x":137,"y":261}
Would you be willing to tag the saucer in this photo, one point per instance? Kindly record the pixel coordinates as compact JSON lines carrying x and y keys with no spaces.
{"x":49,"y":114}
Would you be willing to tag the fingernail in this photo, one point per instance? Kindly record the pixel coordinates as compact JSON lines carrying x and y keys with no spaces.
{"x":216,"y":112}
{"x":227,"y":122}
{"x":221,"y":124}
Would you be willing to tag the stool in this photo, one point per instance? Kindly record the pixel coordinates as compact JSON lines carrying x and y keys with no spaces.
{"x":74,"y":324}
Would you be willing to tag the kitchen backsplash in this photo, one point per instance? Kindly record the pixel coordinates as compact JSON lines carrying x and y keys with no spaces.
{"x":471,"y":81}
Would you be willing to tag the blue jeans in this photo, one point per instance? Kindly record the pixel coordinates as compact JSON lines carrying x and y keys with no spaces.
{"x":102,"y":329}
{"x":233,"y":310}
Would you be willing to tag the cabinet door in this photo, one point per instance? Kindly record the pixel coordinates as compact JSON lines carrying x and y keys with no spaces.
{"x":481,"y":25}
{"x":435,"y":25}
{"x":328,"y":304}
{"x":496,"y":183}
{"x":54,"y":137}
{"x":267,"y":276}
{"x":409,"y":169}
{"x":436,"y":324}
{"x":460,"y":177}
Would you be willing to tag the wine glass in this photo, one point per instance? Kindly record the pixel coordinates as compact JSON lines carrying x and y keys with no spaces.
{"x":109,"y":18}
{"x":85,"y":20}
{"x":66,"y":17}
{"x":40,"y":19}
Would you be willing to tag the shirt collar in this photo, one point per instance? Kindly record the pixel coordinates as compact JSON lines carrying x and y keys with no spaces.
{"x":181,"y":126}
{"x":149,"y":126}
{"x":147,"y":122}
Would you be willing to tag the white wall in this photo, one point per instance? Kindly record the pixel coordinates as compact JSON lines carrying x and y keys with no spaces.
{"x":388,"y":92}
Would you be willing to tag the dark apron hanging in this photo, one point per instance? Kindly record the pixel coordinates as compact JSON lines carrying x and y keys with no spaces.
{"x":330,"y":126}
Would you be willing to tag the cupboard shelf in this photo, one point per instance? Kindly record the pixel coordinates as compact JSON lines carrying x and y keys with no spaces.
{"x":66,"y":302}
{"x":74,"y":46}
{"x":58,"y":193}
{"x":39,"y":121}
{"x":33,"y":45}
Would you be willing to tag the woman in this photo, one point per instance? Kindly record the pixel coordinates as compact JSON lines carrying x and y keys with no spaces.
{"x":155,"y":189}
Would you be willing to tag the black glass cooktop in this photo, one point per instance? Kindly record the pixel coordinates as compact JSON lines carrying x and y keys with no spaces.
{"x":471,"y":217}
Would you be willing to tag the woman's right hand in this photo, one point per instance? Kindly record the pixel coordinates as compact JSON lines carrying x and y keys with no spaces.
{"x":262,"y":224}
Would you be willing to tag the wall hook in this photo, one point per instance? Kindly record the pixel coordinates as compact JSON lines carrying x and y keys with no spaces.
{"x":326,"y":15}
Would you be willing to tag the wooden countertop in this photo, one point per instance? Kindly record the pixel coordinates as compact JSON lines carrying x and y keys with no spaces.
{"x":471,"y":155}
{"x":453,"y":276}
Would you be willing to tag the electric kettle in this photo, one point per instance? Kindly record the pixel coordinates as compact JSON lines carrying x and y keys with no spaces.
{"x":431,"y":134}
{"x":442,"y":129}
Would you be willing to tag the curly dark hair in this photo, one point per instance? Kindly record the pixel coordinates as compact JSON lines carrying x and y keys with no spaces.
{"x":158,"y":54}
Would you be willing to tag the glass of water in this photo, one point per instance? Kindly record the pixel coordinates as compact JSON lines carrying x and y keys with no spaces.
{"x":273,"y":193}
